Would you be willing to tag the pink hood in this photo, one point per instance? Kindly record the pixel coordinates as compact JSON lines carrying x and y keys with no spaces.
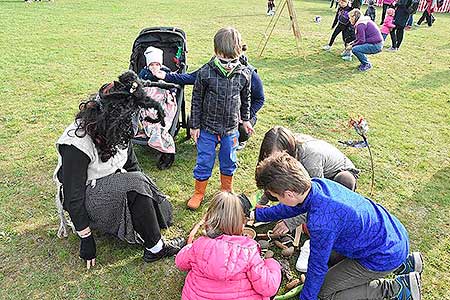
{"x":227,"y":267}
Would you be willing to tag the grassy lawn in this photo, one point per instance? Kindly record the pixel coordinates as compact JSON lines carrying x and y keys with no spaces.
{"x":53,"y":54}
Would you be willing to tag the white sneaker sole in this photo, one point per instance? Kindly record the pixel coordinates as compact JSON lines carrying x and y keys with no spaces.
{"x":415,"y":288}
{"x":418,"y":262}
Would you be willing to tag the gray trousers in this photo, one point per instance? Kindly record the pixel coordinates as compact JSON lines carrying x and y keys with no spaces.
{"x":349,"y":280}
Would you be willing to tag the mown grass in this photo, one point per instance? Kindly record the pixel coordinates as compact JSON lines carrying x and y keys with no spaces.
{"x":56,"y":53}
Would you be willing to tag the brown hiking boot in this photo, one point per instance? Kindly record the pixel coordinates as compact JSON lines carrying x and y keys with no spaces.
{"x":226,"y":183}
{"x":199,"y":193}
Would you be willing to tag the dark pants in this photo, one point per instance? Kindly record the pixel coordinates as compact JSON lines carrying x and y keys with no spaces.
{"x":243,"y":135}
{"x":347,"y":179}
{"x":339,"y":28}
{"x":144,"y":219}
{"x":426,"y":16}
{"x":383,"y":14}
{"x":398,"y":32}
{"x":348,"y":279}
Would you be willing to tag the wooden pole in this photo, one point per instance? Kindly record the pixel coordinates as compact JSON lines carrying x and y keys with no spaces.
{"x":294,"y":25}
{"x":274,"y":24}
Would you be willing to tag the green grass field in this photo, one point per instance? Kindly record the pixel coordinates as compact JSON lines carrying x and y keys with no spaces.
{"x":54,"y":54}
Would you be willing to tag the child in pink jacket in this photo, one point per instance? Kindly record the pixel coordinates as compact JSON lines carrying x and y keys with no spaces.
{"x":388,"y":25}
{"x":224,"y":264}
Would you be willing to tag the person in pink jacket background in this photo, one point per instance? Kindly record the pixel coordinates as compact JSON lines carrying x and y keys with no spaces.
{"x":386,"y":4}
{"x":388,"y":25}
{"x":224,"y":264}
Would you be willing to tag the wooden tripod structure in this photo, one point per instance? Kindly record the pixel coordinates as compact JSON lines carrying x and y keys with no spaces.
{"x":294,"y":25}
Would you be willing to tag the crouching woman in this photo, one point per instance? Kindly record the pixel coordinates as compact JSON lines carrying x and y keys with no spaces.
{"x":368,"y":38}
{"x":99,"y":177}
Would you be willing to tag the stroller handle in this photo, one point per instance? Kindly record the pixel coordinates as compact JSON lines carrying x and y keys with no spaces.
{"x":160,"y":84}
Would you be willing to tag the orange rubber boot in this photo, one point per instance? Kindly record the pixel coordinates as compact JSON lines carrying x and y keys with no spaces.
{"x":226,"y":183}
{"x":199,"y":193}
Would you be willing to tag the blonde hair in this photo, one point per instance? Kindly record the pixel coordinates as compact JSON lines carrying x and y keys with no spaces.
{"x":224,"y":216}
{"x":228,"y":42}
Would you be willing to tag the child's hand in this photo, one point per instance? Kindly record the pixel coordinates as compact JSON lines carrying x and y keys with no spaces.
{"x":248,"y":127}
{"x":159,"y":74}
{"x":195,"y":133}
{"x":281,"y":228}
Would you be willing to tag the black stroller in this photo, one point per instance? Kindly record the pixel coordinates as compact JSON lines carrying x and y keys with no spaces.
{"x":173,"y":43}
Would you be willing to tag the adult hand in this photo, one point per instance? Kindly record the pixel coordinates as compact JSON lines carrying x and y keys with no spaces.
{"x":88,"y":250}
{"x":159,"y":74}
{"x":248,"y":127}
{"x":281,"y":228}
{"x":195,"y":133}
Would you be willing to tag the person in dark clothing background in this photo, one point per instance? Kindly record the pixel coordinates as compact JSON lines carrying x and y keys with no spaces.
{"x":371,"y":10}
{"x":99,"y":177}
{"x":427,"y":14}
{"x":342,"y":24}
{"x":402,"y":12}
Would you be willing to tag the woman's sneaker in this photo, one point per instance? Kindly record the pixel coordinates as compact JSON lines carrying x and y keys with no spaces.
{"x":302,"y":261}
{"x":326,"y":47}
{"x":170,"y":248}
{"x":365,"y":67}
{"x":409,"y":287}
{"x":413,"y":263}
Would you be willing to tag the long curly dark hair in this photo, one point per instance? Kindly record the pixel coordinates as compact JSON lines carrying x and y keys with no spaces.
{"x":107,"y":117}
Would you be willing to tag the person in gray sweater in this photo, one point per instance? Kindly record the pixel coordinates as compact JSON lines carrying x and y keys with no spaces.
{"x":319,"y":158}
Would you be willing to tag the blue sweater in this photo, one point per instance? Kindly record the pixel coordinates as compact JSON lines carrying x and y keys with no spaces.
{"x":256,"y":92}
{"x":348,"y":223}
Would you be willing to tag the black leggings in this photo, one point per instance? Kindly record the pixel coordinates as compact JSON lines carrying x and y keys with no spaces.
{"x":335,"y":33}
{"x":426,"y":16}
{"x":383,"y":14}
{"x":144,"y":219}
{"x":399,"y":31}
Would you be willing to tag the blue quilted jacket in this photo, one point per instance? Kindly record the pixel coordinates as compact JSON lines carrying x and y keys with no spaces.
{"x":348,"y":223}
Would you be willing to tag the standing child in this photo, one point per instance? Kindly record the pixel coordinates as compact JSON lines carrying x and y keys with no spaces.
{"x":388,"y":26}
{"x":224,"y":262}
{"x":220,"y":100}
{"x":342,"y":24}
{"x":270,"y":7}
{"x":371,"y":10}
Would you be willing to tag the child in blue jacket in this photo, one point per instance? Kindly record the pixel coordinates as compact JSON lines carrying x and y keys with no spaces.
{"x":373,"y":241}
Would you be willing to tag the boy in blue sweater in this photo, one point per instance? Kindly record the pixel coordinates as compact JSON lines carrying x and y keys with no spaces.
{"x":373,"y":241}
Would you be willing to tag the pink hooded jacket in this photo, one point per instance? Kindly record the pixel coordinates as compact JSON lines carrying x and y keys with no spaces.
{"x":227,"y":267}
{"x":388,"y":24}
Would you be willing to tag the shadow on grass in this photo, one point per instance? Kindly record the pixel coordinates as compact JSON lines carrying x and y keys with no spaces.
{"x":314,"y":69}
{"x":427,"y":217}
{"x":430,"y":81}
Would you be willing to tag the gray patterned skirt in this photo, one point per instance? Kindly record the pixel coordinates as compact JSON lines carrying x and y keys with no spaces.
{"x":107,"y":205}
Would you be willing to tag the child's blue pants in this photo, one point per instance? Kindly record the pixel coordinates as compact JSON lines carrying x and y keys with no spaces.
{"x":206,"y":154}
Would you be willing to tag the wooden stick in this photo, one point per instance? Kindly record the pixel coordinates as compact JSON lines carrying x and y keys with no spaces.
{"x":267,"y":38}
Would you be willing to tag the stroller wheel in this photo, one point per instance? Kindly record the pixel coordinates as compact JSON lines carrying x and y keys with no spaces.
{"x":165,"y":161}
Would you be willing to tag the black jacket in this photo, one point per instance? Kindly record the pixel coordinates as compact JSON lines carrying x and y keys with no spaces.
{"x":218,"y":101}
